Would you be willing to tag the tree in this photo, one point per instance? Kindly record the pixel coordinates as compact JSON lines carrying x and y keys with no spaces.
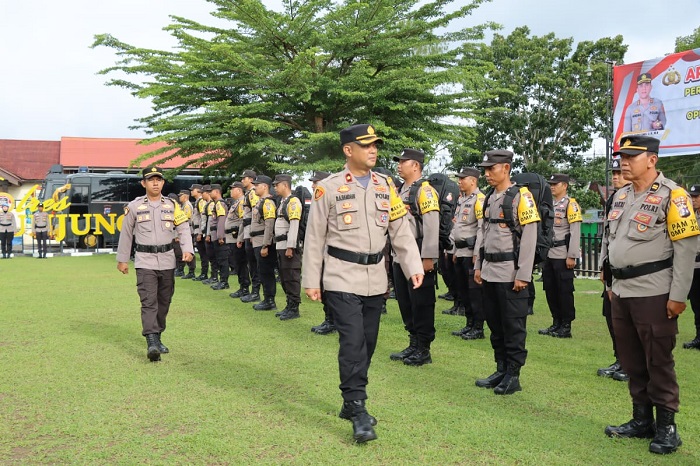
{"x":272,"y":90}
{"x":689,"y":42}
{"x":542,"y":104}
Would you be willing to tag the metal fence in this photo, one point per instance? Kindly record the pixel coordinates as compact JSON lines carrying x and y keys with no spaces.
{"x":589,"y":266}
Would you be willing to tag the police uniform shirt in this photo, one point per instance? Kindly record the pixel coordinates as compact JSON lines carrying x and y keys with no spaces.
{"x":196,"y":217}
{"x":290,"y":228}
{"x":40,"y":222}
{"x":348,"y":216}
{"x":697,"y":251}
{"x":7,"y":222}
{"x":210,"y":220}
{"x":189,"y":212}
{"x":153,"y":223}
{"x":234,"y":221}
{"x":468,"y":222}
{"x":200,"y":206}
{"x":639,"y":117}
{"x":497,"y":238}
{"x":250,"y":200}
{"x":262,"y":226}
{"x":648,"y":227}
{"x":218,"y":216}
{"x":567,"y":221}
{"x":429,"y":210}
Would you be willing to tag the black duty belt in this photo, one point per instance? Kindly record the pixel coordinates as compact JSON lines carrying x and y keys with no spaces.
{"x":697,"y":257}
{"x":195,"y":226}
{"x":561,"y":242}
{"x":232,"y":230}
{"x":467,"y":243}
{"x":6,"y":224}
{"x":40,"y":226}
{"x":247,"y":221}
{"x":499,"y":256}
{"x":257,"y":233}
{"x":281,"y":237}
{"x":355,"y":257}
{"x":212,"y":228}
{"x":154,"y":249}
{"x":639,"y":270}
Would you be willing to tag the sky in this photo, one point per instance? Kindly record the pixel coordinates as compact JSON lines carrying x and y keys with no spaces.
{"x":49,"y":86}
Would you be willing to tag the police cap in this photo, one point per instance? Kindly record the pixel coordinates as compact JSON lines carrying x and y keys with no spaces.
{"x":644,"y":78}
{"x":616,"y":164}
{"x":184,"y":192}
{"x":206,"y":188}
{"x":493,"y":157}
{"x":363,"y":135}
{"x":410,"y":154}
{"x":558,"y":178}
{"x":173,"y":196}
{"x":637,"y":144}
{"x":150,"y":172}
{"x":263,"y":179}
{"x":283,"y":178}
{"x":694,"y":190}
{"x":196,"y":186}
{"x":469,"y":171}
{"x":249,"y":174}
{"x":319,"y":175}
{"x":237,"y":184}
{"x":216,"y":186}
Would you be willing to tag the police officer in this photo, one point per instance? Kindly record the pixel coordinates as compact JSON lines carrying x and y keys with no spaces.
{"x":558,"y":269}
{"x":151,"y":222}
{"x":217,"y":232}
{"x":262,"y":231}
{"x":647,"y":113}
{"x":198,"y":216}
{"x":234,"y":238}
{"x":188,"y":209}
{"x":286,"y":242}
{"x":694,"y":294}
{"x":179,"y":264}
{"x":417,"y":305}
{"x":350,"y":215}
{"x":505,"y":269}
{"x":466,"y":236}
{"x":208,"y":223}
{"x":326,"y":327}
{"x":651,"y":247}
{"x":41,"y":229}
{"x":614,"y":370}
{"x":251,"y":199}
{"x":8,"y":226}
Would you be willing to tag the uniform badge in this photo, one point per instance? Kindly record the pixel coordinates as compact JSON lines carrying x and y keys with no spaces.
{"x":374,"y":179}
{"x":343,"y":189}
{"x":642,"y":218}
{"x":346,"y":205}
{"x":167,"y":224}
{"x":347,"y":219}
{"x":642,"y":228}
{"x":385,"y":204}
{"x":654,"y":187}
{"x":652,"y":199}
{"x":614,"y":214}
{"x":142,"y":207}
{"x":557,"y":221}
{"x":623,"y":196}
{"x":380,"y":189}
{"x":348,"y":178}
{"x":464,"y":218}
{"x":384,"y":217}
{"x":448,"y":198}
{"x":318,"y":193}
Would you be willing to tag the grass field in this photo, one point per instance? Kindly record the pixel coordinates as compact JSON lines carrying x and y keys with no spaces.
{"x":241,"y":387}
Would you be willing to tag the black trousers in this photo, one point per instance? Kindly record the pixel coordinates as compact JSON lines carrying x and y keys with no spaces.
{"x":266,"y":272}
{"x":290,"y":275}
{"x":506,"y":316}
{"x":156,"y":289}
{"x":646,"y":338}
{"x":417,"y":306}
{"x":447,"y":269}
{"x":221,"y":255}
{"x":607,"y":312}
{"x":6,"y":242}
{"x":240,"y":265}
{"x":191,"y":265}
{"x":41,"y":240}
{"x":558,"y":284}
{"x":471,"y":293}
{"x":252,"y":265}
{"x":694,"y":297}
{"x":357,"y":320}
{"x":204,"y":259}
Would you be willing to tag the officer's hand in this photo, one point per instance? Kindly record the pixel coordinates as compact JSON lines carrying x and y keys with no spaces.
{"x":519,"y":285}
{"x":428,"y":265}
{"x":674,"y":308}
{"x":221,"y":241}
{"x":289,"y":252}
{"x":207,"y":239}
{"x":417,"y":280}
{"x":477,"y":277}
{"x":199,"y":237}
{"x":454,"y":258}
{"x":239,"y":245}
{"x":263,"y":251}
{"x":570,"y":263}
{"x":314,"y":294}
{"x":123,"y":267}
{"x":187,"y":257}
{"x":177,"y":240}
{"x":602,"y":276}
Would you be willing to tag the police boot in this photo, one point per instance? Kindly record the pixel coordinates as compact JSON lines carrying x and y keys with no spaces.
{"x":346,"y":413}
{"x":152,"y":350}
{"x":251,"y":297}
{"x":292,"y":312}
{"x":476,"y":333}
{"x":202,"y":276}
{"x":361,"y":423}
{"x":564,"y":331}
{"x":621,"y":375}
{"x":242,"y":291}
{"x":209,"y":280}
{"x":222,"y":285}
{"x":161,"y":347}
{"x":461,"y":331}
{"x":640,"y":426}
{"x":180,"y":271}
{"x":406,"y":352}
{"x":510,"y":383}
{"x":326,"y":328}
{"x":548,"y":331}
{"x":694,"y":343}
{"x":610,"y":370}
{"x":268,"y":304}
{"x":447,"y":296}
{"x":190,"y":275}
{"x":451,"y":310}
{"x":666,"y":439}
{"x":384,"y":308}
{"x":494,"y":379}
{"x":419,"y":357}
{"x":283,"y":311}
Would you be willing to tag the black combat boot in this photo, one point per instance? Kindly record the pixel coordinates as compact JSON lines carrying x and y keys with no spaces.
{"x":161,"y":347}
{"x":361,"y":423}
{"x":189,"y":276}
{"x":510,"y":383}
{"x":694,"y":343}
{"x":494,"y":379}
{"x":346,"y":413}
{"x":384,"y":307}
{"x":251,"y":297}
{"x":621,"y":375}
{"x":152,"y":350}
{"x":222,"y":285}
{"x":447,"y":296}
{"x":242,"y":291}
{"x":326,"y":328}
{"x":419,"y":357}
{"x":179,"y":271}
{"x":476,"y":333}
{"x":292,"y":312}
{"x":201,"y":277}
{"x":451,"y":310}
{"x":548,"y":331}
{"x":640,"y":426}
{"x":283,"y":311}
{"x":564,"y":331}
{"x":666,"y":439}
{"x":209,"y":280}
{"x":268,"y":304}
{"x":406,"y":352}
{"x":610,"y":370}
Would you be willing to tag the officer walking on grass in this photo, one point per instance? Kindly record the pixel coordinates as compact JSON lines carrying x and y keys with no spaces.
{"x":152,"y":222}
{"x":351,"y":213}
{"x":651,"y":247}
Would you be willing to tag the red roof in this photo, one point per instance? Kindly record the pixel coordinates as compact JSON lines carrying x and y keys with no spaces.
{"x":29,"y":160}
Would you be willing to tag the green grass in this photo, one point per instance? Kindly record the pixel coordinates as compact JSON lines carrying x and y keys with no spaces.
{"x":241,"y":387}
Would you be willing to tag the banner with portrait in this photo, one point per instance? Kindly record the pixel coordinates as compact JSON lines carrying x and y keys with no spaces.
{"x":660,"y":98}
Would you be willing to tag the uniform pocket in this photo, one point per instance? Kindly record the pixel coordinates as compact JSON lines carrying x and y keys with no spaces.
{"x":347,"y":216}
{"x":663,"y":342}
{"x":144,"y":222}
{"x":641,"y":232}
{"x":382,"y":215}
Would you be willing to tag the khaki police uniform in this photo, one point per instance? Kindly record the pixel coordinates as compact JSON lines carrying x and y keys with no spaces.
{"x":345,"y":235}
{"x":189,"y":211}
{"x":694,"y":293}
{"x":41,"y":228}
{"x":286,"y":236}
{"x":211,"y":224}
{"x":217,"y":232}
{"x":639,"y":116}
{"x":250,"y":200}
{"x":199,"y":220}
{"x":8,"y":226}
{"x":152,"y":226}
{"x":262,"y":229}
{"x":233,"y":227}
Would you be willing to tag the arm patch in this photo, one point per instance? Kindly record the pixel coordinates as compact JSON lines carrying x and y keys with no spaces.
{"x":479,"y":206}
{"x":428,"y":199}
{"x":573,"y":211}
{"x":269,"y":210}
{"x":397,"y":207}
{"x":294,"y":209}
{"x":180,"y":216}
{"x":681,"y":221}
{"x":527,"y":210}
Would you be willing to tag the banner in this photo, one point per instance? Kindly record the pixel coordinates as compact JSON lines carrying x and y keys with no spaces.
{"x":660,"y":98}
